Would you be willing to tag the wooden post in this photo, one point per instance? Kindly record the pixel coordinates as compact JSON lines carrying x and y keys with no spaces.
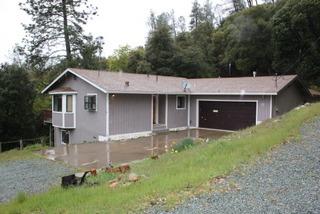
{"x":0,"y":147}
{"x":50,"y":132}
{"x":21,"y":144}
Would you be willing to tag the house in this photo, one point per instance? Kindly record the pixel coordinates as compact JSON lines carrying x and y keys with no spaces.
{"x":92,"y":105}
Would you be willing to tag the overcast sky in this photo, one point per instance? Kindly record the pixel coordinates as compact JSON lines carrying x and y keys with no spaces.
{"x":120,"y":22}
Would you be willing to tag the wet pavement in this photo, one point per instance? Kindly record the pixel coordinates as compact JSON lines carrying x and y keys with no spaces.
{"x":98,"y":155}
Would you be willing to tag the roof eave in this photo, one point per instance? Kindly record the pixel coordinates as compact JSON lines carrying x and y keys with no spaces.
{"x":74,"y":73}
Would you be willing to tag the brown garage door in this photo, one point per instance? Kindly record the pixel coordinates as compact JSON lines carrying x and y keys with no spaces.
{"x":226,"y":115}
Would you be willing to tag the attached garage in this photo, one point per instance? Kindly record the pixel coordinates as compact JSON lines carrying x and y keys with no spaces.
{"x":226,"y":115}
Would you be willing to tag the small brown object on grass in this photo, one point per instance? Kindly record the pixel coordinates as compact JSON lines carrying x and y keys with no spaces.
{"x":120,"y":169}
{"x":93,"y":172}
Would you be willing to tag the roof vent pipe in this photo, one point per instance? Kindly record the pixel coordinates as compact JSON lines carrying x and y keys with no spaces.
{"x":254,"y":74}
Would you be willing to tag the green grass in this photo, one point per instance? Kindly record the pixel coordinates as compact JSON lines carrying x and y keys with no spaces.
{"x":174,"y":176}
{"x":27,"y":153}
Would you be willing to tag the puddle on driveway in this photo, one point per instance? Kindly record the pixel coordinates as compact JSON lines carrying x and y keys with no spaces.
{"x":98,"y":155}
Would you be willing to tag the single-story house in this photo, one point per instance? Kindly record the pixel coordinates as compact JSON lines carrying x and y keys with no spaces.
{"x":90,"y":105}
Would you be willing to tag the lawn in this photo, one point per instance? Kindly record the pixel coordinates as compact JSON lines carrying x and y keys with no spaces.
{"x":174,"y":176}
{"x":27,"y":153}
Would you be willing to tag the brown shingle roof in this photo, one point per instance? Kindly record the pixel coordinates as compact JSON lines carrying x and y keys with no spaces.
{"x":115,"y":82}
{"x":138,"y":83}
{"x":241,"y":85}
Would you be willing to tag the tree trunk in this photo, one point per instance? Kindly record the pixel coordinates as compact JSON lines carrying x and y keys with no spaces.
{"x":66,"y":31}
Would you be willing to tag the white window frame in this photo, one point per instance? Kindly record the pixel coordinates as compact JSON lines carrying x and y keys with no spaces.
{"x":52,"y":105}
{"x":185,"y":102}
{"x":64,"y":108}
{"x":92,"y":94}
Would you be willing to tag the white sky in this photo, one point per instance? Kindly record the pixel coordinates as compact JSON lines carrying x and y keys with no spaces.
{"x":120,"y":22}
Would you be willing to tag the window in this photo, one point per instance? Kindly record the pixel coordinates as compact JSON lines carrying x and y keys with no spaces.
{"x":69,"y":103}
{"x":65,"y":136}
{"x":181,"y":102}
{"x":57,"y":103}
{"x":90,"y":102}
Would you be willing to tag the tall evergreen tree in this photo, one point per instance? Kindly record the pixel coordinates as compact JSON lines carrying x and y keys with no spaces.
{"x":56,"y":30}
{"x":160,"y":47}
{"x":196,"y":15}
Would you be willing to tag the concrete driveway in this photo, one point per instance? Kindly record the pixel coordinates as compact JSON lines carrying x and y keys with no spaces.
{"x":97,"y":155}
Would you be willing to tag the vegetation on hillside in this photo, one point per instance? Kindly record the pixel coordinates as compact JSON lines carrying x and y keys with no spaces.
{"x":173,"y":176}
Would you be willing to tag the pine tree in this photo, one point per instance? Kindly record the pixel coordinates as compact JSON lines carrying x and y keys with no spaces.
{"x":56,"y":30}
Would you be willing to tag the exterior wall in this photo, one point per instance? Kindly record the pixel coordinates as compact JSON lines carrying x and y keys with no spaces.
{"x":57,"y":118}
{"x":176,"y":117}
{"x":264,"y":105}
{"x":56,"y":136}
{"x":89,"y":125}
{"x":69,"y":120}
{"x":129,"y":113}
{"x":287,"y":99}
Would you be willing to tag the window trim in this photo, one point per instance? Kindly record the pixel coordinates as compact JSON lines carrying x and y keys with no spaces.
{"x":53,"y":103}
{"x":185,"y":102}
{"x":91,"y":94}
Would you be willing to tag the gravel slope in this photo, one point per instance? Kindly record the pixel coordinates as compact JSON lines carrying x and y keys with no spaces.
{"x":287,"y":180}
{"x":29,"y":176}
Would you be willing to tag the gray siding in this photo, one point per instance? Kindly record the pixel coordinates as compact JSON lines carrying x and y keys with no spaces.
{"x":263,"y":105}
{"x":129,"y":113}
{"x":57,"y":119}
{"x":287,"y":99}
{"x":89,"y":125}
{"x":56,"y":136}
{"x":176,"y":118}
{"x":69,"y":120}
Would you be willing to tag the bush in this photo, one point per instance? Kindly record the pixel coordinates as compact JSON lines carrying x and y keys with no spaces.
{"x":183,"y":145}
{"x":21,"y":197}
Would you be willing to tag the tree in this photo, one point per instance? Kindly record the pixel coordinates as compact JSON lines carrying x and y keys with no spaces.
{"x":296,"y":39}
{"x":238,"y":5}
{"x":16,"y":101}
{"x":208,"y":15}
{"x":137,"y":62}
{"x":196,"y":15}
{"x":118,"y":61}
{"x":189,"y":60}
{"x":56,"y":30}
{"x":244,"y":42}
{"x":90,"y":53}
{"x":160,"y":47}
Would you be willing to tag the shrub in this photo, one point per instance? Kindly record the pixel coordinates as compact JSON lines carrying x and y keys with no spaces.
{"x":183,"y":145}
{"x":21,"y":197}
